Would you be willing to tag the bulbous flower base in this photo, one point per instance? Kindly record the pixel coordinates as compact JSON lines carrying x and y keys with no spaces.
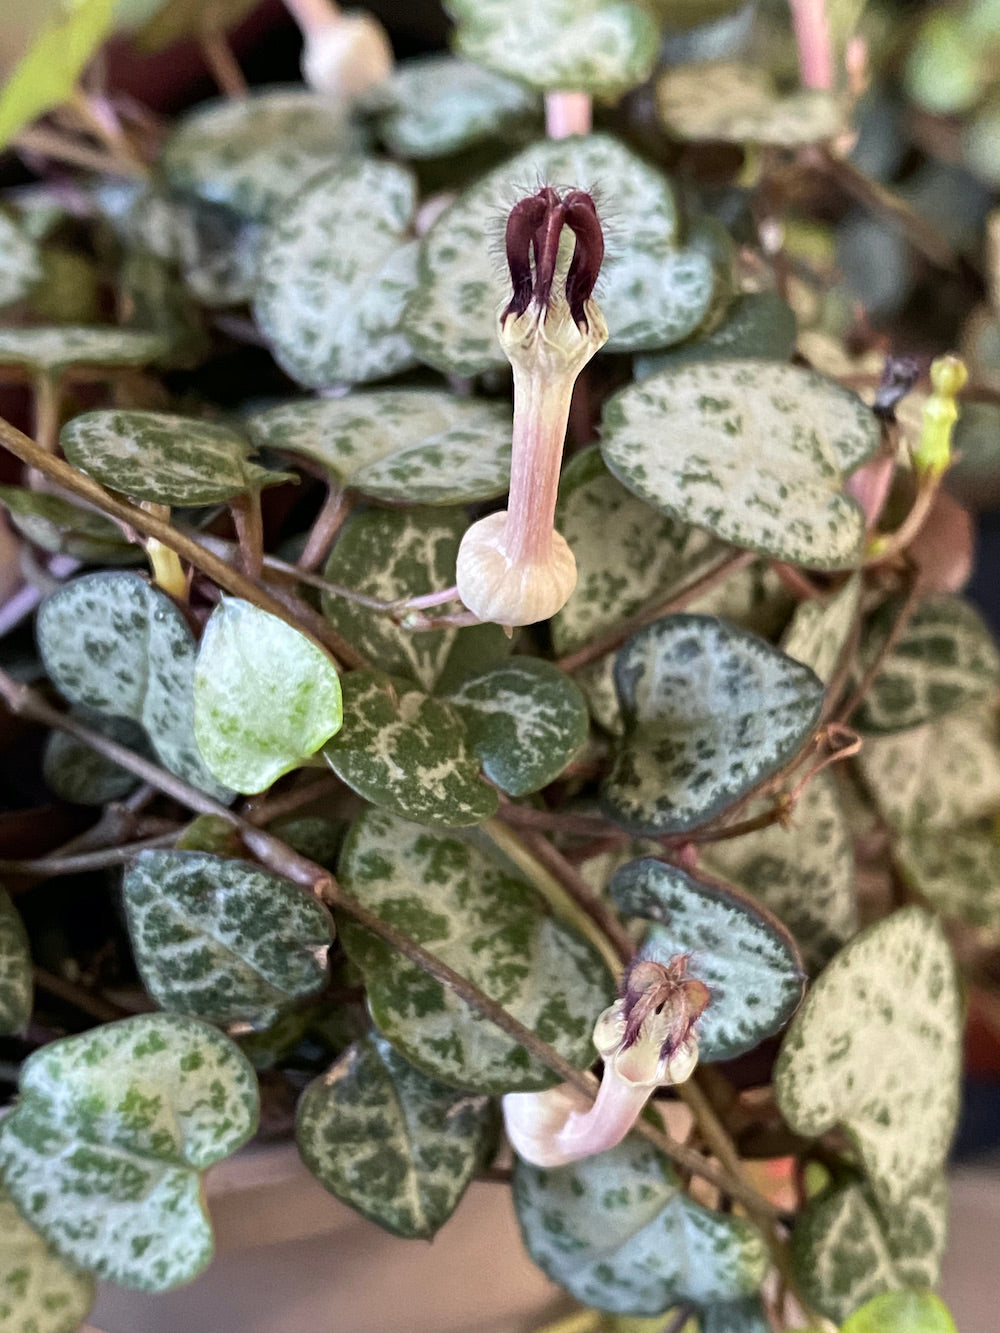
{"x":346,"y":57}
{"x":508,"y":591}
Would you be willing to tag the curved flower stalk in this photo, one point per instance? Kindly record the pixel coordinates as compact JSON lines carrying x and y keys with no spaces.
{"x":513,"y":567}
{"x":647,"y":1041}
{"x":342,"y":54}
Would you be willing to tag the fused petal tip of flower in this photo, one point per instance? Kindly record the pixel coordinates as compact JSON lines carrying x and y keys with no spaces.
{"x":647,"y":1040}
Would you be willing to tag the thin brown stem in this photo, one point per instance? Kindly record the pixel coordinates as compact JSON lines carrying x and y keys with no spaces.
{"x":329,"y":520}
{"x":249,"y":525}
{"x":887,"y":546}
{"x":46,"y":387}
{"x":583,"y":826}
{"x":86,"y":1001}
{"x":61,"y":148}
{"x":222,"y":64}
{"x":52,"y":867}
{"x":262,"y":810}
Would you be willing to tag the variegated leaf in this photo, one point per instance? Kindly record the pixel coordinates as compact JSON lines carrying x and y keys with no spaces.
{"x":330,"y":293}
{"x":20,"y":263}
{"x":709,"y":711}
{"x":876,"y":1049}
{"x":758,"y":455}
{"x":255,"y":153}
{"x":434,"y":105}
{"x":743,"y":1316}
{"x":525,"y":720}
{"x":266,"y":698}
{"x":723,"y":100}
{"x":39,"y":1291}
{"x":957,"y":870}
{"x":618,"y":1232}
{"x":61,"y":527}
{"x":652,"y":293}
{"x":419,"y":446}
{"x":103,"y":1152}
{"x":802,"y":871}
{"x":408,"y":753}
{"x":756,"y":324}
{"x":16,"y":984}
{"x":602,"y":47}
{"x":396,"y":1145}
{"x":52,"y":349}
{"x":846,"y":1248}
{"x":743,"y":954}
{"x":944,"y":659}
{"x":471,"y":908}
{"x":78,"y":773}
{"x":112,"y":642}
{"x":221,"y":939}
{"x":820,"y":629}
{"x":167,"y":459}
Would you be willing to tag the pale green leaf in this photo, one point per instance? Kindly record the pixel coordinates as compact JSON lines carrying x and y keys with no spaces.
{"x":331,"y":291}
{"x":419,"y":446}
{"x":113,"y":643}
{"x":222,"y":940}
{"x":902,"y":1312}
{"x":396,"y":1145}
{"x":408,"y":753}
{"x":602,"y":47}
{"x":61,"y":527}
{"x":876,"y":1049}
{"x":709,"y":712}
{"x":468,"y":906}
{"x":618,"y":1232}
{"x":39,"y":1292}
{"x":743,"y":954}
{"x":56,"y":347}
{"x":724,"y":100}
{"x":103,"y":1151}
{"x":756,"y":324}
{"x":78,"y":773}
{"x":821,"y":629}
{"x":20,"y":262}
{"x":525,"y":719}
{"x":16,"y":985}
{"x":265,"y":696}
{"x":956,"y":869}
{"x":758,"y":455}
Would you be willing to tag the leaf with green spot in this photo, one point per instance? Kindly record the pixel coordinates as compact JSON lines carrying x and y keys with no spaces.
{"x":408,"y":753}
{"x":525,"y":719}
{"x":710,"y":711}
{"x":78,"y":773}
{"x":63,"y":528}
{"x":846,"y":1248}
{"x":418,"y":446}
{"x":739,"y":950}
{"x":821,"y":629}
{"x":221,"y":939}
{"x":756,"y":324}
{"x":736,"y":103}
{"x":396,"y":1145}
{"x":54,"y":348}
{"x":902,"y":1312}
{"x":652,"y":293}
{"x":254,"y":154}
{"x":744,"y":1316}
{"x":618,"y":1232}
{"x":434,"y":105}
{"x":39,"y":1292}
{"x":876,"y":1049}
{"x":758,"y":455}
{"x":113,"y":643}
{"x":104,"y":1150}
{"x":802,"y":872}
{"x":166,"y":459}
{"x":944,"y":659}
{"x":266,"y":697}
{"x":16,"y":984}
{"x":20,"y":263}
{"x":467,"y":905}
{"x":601,"y":47}
{"x":330,"y":293}
{"x":957,"y":870}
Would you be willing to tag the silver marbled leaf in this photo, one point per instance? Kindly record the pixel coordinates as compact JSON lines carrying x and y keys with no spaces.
{"x":39,"y":1291}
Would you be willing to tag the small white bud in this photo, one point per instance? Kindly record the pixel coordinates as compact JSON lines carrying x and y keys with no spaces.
{"x":346,"y":56}
{"x":500,"y":585}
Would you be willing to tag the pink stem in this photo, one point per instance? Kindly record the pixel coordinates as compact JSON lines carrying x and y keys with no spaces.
{"x":568,"y":113}
{"x":541,"y":411}
{"x":313,"y":15}
{"x":812,"y":36}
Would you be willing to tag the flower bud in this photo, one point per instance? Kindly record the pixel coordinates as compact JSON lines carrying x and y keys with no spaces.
{"x":933,"y":451}
{"x":346,"y":56}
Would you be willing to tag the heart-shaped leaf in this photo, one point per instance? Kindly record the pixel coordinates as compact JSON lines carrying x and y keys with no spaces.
{"x":525,"y":720}
{"x":847,"y":1249}
{"x":80,"y":774}
{"x":434,"y":105}
{"x":652,"y":293}
{"x":255,"y":153}
{"x":39,"y":1292}
{"x":53,"y":349}
{"x":266,"y":698}
{"x":819,"y":630}
{"x":803,"y":871}
{"x":944,"y":659}
{"x":330,"y":293}
{"x":111,"y":642}
{"x":221,"y":939}
{"x":956,"y":869}
{"x":63,"y":528}
{"x":738,"y":104}
{"x":102,"y":1153}
{"x":757,"y":324}
{"x":419,"y":446}
{"x":602,"y":47}
{"x":743,"y":954}
{"x":469,"y":907}
{"x":876,"y":1048}
{"x":167,"y":459}
{"x":758,"y":455}
{"x":408,"y":753}
{"x":20,"y":264}
{"x":710,"y":711}
{"x":618,"y":1232}
{"x":650,"y":556}
{"x":396,"y":1145}
{"x":902,"y":1312}
{"x":16,"y":986}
